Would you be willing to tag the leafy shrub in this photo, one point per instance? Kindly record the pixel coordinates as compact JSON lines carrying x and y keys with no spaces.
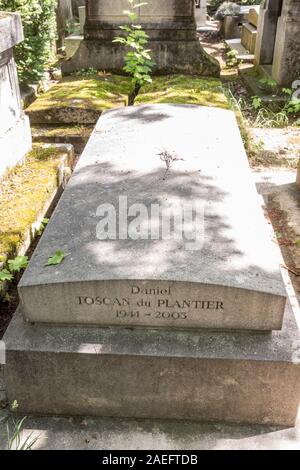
{"x":138,"y":62}
{"x":227,"y":9}
{"x":39,"y":23}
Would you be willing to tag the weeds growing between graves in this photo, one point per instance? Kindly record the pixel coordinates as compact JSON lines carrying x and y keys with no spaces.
{"x":14,"y":430}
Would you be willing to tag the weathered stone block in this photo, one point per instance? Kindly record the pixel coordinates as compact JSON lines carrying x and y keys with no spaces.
{"x":11,"y":30}
{"x":286,"y":65}
{"x":267,"y":26}
{"x":229,"y":278}
{"x":253,"y":16}
{"x":205,"y":376}
{"x":249,"y":35}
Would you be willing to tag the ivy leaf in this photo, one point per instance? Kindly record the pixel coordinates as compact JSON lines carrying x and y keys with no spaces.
{"x":20,"y":262}
{"x":5,"y":275}
{"x":57,"y":258}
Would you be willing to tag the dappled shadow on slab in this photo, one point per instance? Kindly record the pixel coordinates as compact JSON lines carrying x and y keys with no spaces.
{"x":75,"y":222}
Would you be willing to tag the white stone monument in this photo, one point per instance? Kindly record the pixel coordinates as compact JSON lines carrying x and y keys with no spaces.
{"x":15,"y":135}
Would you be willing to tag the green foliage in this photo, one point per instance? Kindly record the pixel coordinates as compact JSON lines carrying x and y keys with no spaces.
{"x":42,"y":226}
{"x":14,"y":432}
{"x":293,"y":106}
{"x":268,"y":84}
{"x":256,"y":102}
{"x":138,"y":62}
{"x":14,"y":266}
{"x":56,"y":259}
{"x":268,"y":118}
{"x":91,"y":72}
{"x":231,"y":58}
{"x":20,"y":262}
{"x":287,"y":91}
{"x":5,"y":275}
{"x":39,"y":23}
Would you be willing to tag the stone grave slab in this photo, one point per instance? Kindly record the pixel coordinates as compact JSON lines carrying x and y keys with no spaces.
{"x":222,"y":271}
{"x":197,"y":375}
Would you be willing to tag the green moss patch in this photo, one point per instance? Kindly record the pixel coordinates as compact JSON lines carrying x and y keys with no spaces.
{"x":77,"y":136}
{"x":62,"y":131}
{"x":23,"y":195}
{"x":181,"y":89}
{"x":80,"y":100}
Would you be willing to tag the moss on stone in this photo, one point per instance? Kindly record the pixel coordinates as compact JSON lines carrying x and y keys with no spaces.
{"x":182,"y":89}
{"x":60,"y":131}
{"x":100,"y":92}
{"x":23,"y":194}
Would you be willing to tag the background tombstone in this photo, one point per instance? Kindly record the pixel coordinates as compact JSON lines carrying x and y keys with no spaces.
{"x":75,"y":5}
{"x":278,"y":40}
{"x":171,"y":28}
{"x":64,"y":18}
{"x":286,"y":63}
{"x":15,"y":135}
{"x":267,"y":26}
{"x":82,"y":18}
{"x":201,"y":12}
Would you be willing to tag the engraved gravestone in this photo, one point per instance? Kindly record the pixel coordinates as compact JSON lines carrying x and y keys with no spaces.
{"x":162,"y":227}
{"x":126,"y":266}
{"x":170,"y":25}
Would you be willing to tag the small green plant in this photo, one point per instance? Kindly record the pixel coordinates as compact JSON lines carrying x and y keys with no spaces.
{"x":42,"y":227}
{"x":268,"y":84}
{"x":5,"y":275}
{"x":256,"y":102}
{"x":231,"y":58}
{"x":14,"y":432}
{"x":91,"y":72}
{"x":14,"y":266}
{"x":57,"y":258}
{"x":258,"y":147}
{"x":138,"y":62}
{"x":287,"y":91}
{"x":293,"y":106}
{"x":71,"y":26}
{"x":267,"y":118}
{"x":20,"y":262}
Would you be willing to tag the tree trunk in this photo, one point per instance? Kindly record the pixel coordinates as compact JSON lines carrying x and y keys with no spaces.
{"x":132,"y":96}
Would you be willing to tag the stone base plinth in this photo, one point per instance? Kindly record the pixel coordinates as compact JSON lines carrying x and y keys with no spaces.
{"x":170,"y":57}
{"x":204,"y":376}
